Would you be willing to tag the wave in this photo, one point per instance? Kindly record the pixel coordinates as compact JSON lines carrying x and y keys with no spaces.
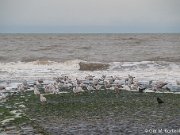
{"x":167,"y":59}
{"x":147,"y":70}
{"x":71,"y":64}
{"x":145,"y":65}
{"x":92,"y":66}
{"x":33,"y":59}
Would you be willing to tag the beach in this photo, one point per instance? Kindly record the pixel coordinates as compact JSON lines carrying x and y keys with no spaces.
{"x":150,"y":59}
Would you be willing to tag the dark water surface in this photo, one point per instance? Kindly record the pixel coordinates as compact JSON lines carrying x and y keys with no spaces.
{"x":90,"y":47}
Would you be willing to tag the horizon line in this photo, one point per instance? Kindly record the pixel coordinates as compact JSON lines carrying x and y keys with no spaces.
{"x":89,"y":32}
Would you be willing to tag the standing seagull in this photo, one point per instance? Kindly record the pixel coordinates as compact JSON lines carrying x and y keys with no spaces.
{"x":36,"y":91}
{"x":42,"y":98}
{"x":77,"y":89}
{"x":159,"y":85}
{"x":141,"y":90}
{"x":159,"y":100}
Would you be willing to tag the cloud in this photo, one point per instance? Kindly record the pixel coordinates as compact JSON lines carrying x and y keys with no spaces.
{"x":86,"y":13}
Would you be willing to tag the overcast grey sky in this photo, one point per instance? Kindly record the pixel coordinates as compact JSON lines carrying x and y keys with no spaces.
{"x":147,"y":16}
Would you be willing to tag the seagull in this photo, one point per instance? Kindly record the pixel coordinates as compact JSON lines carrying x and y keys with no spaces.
{"x":90,"y":88}
{"x":103,"y":77}
{"x":40,"y":81}
{"x":36,"y":91}
{"x":90,"y":77}
{"x":129,"y":80}
{"x":78,"y":81}
{"x":159,"y":100}
{"x":160,"y":84}
{"x":97,"y":86}
{"x":25,"y":83}
{"x":141,"y":90}
{"x":50,"y":88}
{"x":117,"y":88}
{"x":78,"y":89}
{"x":21,"y":87}
{"x":42,"y":98}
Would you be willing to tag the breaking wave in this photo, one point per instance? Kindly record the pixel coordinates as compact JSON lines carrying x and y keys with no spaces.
{"x":162,"y":70}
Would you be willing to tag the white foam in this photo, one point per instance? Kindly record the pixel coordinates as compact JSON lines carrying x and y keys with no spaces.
{"x":149,"y":70}
{"x":145,"y":70}
{"x":36,"y":69}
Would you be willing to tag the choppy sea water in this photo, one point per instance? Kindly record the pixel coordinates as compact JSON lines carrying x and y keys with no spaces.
{"x":145,"y":56}
{"x":90,"y":47}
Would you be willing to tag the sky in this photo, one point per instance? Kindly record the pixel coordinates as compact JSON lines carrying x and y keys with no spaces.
{"x":89,"y":16}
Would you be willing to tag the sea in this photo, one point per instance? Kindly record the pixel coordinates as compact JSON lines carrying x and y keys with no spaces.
{"x":35,"y":56}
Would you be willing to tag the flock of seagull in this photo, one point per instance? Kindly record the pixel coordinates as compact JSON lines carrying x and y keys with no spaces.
{"x":89,"y":83}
